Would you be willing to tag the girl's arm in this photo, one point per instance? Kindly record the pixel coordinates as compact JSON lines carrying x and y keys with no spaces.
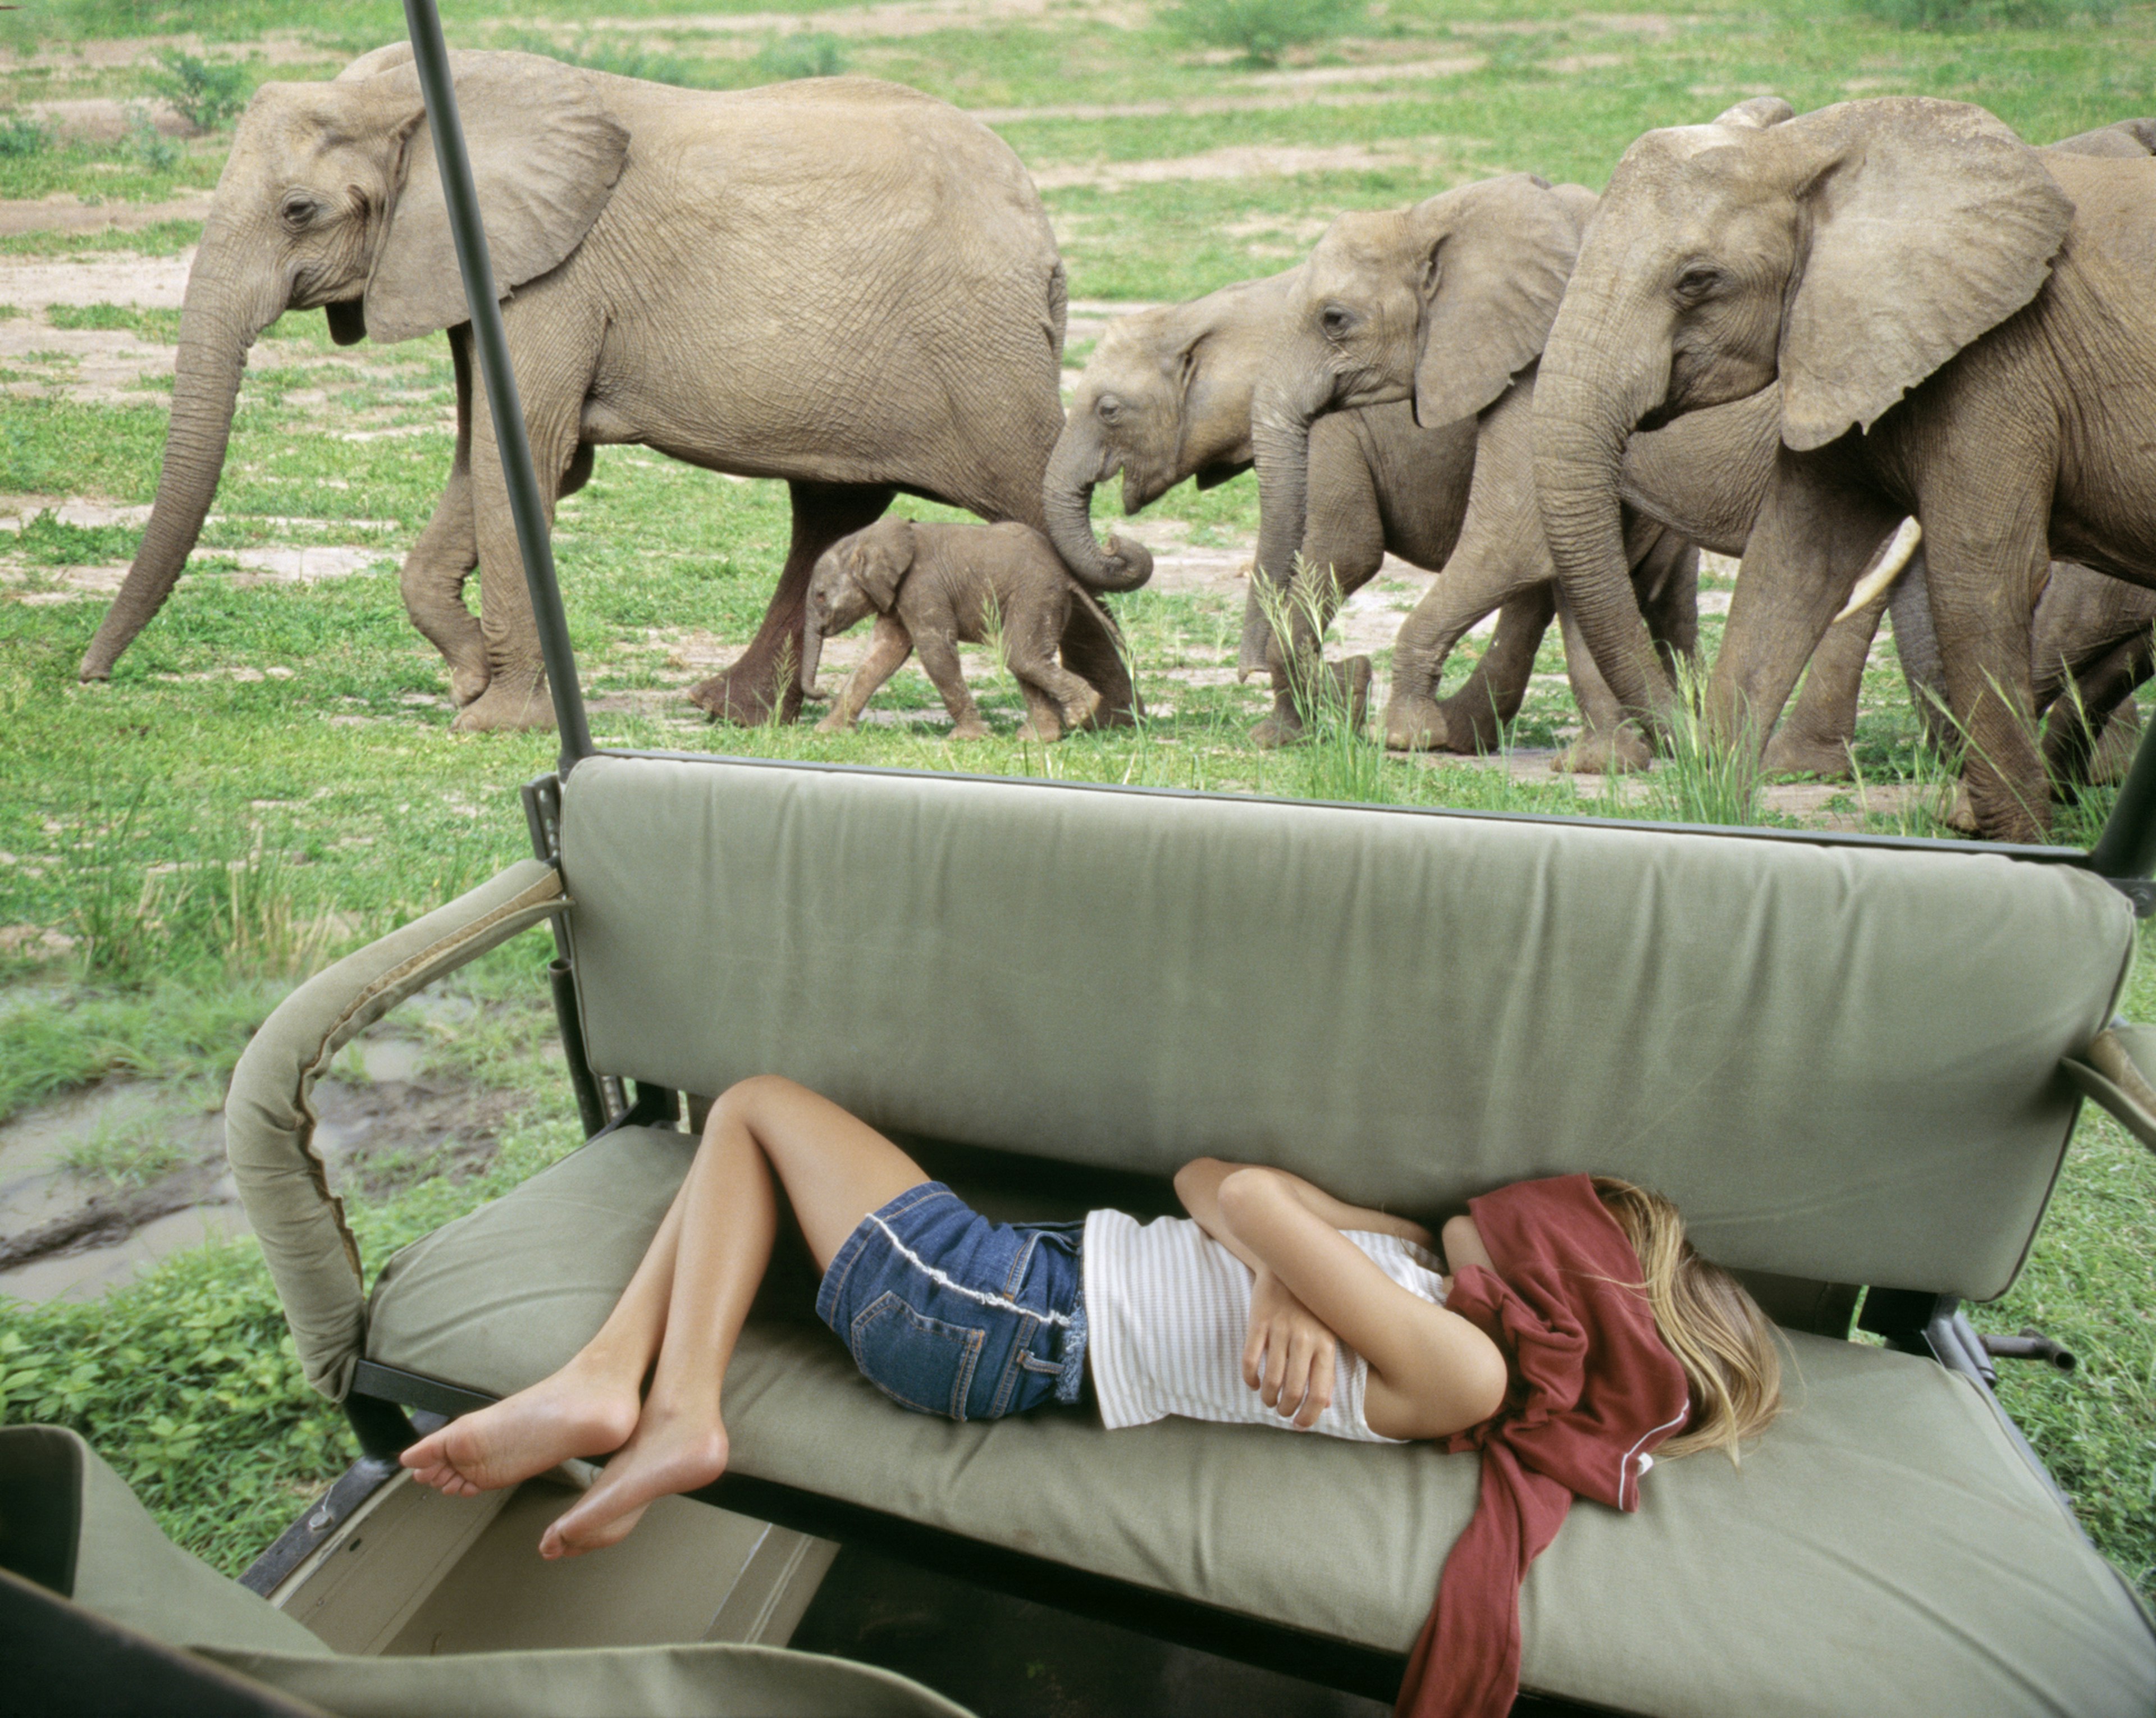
{"x":1432,"y":1373}
{"x":1197,"y":1184}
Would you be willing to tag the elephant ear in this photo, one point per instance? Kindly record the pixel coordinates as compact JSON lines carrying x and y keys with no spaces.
{"x":1498,"y":256}
{"x":2129,"y":140}
{"x":545,"y":156}
{"x":885,"y":559}
{"x":1931,"y":223}
{"x":1758,"y":113}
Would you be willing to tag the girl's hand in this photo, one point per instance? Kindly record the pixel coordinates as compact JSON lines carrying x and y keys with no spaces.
{"x":1288,"y":1357}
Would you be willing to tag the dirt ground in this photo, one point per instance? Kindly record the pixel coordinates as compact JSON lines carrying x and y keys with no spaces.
{"x":67,"y":1231}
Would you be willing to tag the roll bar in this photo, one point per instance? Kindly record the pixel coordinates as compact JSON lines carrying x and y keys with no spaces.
{"x":2125,"y":854}
{"x":534,"y":542}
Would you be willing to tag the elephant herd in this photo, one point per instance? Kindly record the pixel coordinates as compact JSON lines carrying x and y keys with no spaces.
{"x":1888,"y":353}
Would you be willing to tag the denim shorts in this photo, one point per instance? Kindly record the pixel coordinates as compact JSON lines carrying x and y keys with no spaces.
{"x":948,"y":1312}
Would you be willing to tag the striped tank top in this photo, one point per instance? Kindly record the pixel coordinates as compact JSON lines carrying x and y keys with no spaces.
{"x":1167,"y":1309}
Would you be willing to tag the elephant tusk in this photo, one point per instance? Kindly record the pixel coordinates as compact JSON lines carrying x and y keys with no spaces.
{"x":1887,"y":569}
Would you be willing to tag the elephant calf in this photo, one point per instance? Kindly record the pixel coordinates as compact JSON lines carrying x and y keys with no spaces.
{"x":932,"y":586}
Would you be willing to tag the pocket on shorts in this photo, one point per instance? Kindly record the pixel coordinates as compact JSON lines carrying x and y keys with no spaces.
{"x":921,"y":1362}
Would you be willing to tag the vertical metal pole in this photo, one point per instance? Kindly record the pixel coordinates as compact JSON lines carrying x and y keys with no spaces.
{"x":2126,"y":848}
{"x":432,"y":57}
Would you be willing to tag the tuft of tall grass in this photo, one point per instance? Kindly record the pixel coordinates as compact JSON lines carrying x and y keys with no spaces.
{"x":1989,"y":14}
{"x":1335,"y":759}
{"x":1705,"y":777}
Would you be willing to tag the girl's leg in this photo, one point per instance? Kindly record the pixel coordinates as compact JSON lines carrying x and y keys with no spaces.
{"x":836,"y":1170}
{"x":833,"y":1164}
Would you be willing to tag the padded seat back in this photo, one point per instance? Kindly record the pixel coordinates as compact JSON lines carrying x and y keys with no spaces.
{"x":1842,"y":1063}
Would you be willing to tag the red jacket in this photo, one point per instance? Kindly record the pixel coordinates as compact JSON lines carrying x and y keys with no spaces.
{"x":1593,"y":1391}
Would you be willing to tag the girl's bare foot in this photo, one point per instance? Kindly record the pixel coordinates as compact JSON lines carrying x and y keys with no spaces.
{"x":558,"y":1418}
{"x":667,"y":1455}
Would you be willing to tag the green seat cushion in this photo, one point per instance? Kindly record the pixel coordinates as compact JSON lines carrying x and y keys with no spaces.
{"x":1883,"y":1549}
{"x":117,"y":1561}
{"x":1843,"y":1063}
{"x":605,"y":1682}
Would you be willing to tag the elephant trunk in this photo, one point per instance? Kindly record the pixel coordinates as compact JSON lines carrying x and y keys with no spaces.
{"x":218,"y":322}
{"x":1279,"y":437}
{"x":812,"y":652}
{"x":1589,"y":397}
{"x":1074,"y":469}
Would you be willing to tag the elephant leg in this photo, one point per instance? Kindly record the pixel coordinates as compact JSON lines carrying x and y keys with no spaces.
{"x":1983,"y":585}
{"x":432,"y":581}
{"x":1916,"y":643}
{"x":939,"y":660}
{"x":1055,"y":699}
{"x":1814,"y":738}
{"x":515,"y":694}
{"x":1665,"y":579}
{"x":2091,"y":729}
{"x":1474,"y":717}
{"x":765,"y":676}
{"x":1343,"y":539}
{"x":889,"y":646}
{"x":1093,"y":650}
{"x":1815,"y":534}
{"x":1609,"y":743}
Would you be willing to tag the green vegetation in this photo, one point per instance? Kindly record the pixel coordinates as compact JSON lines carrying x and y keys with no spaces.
{"x":269,"y":778}
{"x":1263,"y":29}
{"x":204,"y":95}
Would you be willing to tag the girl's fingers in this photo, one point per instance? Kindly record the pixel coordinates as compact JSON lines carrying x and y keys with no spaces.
{"x":1253,"y":1354}
{"x":1276,"y":1372}
{"x":1297,"y":1384}
{"x":1321,"y":1384}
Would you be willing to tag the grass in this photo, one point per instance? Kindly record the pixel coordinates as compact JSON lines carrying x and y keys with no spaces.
{"x":270,"y":777}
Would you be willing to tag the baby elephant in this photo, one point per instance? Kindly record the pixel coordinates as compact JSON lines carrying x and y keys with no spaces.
{"x":931,"y":585}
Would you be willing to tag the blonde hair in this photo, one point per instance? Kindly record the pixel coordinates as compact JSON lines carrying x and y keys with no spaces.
{"x":1715,"y":1330}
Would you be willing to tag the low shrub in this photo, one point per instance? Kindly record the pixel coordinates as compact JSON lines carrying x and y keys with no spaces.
{"x":21,"y":136}
{"x":804,"y":55}
{"x":1263,"y":29}
{"x":204,"y":93}
{"x":1987,"y":14}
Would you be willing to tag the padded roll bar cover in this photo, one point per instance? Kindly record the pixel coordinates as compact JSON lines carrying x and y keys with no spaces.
{"x":270,"y":1123}
{"x":2115,"y":1069}
{"x":1843,"y":1063}
{"x":127,"y":1570}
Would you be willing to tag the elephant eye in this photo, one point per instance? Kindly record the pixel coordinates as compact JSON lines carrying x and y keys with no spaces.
{"x":1697,"y":282}
{"x":1109,"y":407}
{"x":298,"y":208}
{"x":1335,"y":321}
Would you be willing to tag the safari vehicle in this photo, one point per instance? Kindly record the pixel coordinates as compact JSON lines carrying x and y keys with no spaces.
{"x":1855,"y":1062}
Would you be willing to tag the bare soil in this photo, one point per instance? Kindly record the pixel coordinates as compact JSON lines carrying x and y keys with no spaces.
{"x":1258,"y":161}
{"x":385,"y":1121}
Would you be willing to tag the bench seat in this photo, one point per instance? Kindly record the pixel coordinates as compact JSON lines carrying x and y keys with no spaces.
{"x":1886,"y":1549}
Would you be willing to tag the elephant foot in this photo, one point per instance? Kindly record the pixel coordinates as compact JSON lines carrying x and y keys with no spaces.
{"x":1347,"y":699}
{"x":2115,"y":747}
{"x":467,"y":683}
{"x":1604,"y":751}
{"x":970,"y":730}
{"x":748,"y":694}
{"x":834,"y":723}
{"x":1416,"y":724}
{"x":1042,"y":733}
{"x":507,"y":704}
{"x":1802,"y":754}
{"x":1089,"y":711}
{"x":1960,"y":815}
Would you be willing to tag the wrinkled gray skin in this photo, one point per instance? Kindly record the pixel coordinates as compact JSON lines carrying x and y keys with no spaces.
{"x":1446,"y":305}
{"x":2001,"y":392}
{"x":1166,"y":395}
{"x":2090,"y":648}
{"x":934,"y":587}
{"x":765,"y":282}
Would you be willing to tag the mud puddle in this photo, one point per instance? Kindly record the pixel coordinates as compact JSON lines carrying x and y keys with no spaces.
{"x":100,"y":1183}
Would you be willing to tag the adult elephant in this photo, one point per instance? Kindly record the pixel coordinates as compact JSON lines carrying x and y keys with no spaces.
{"x":1447,"y":305}
{"x":1960,"y":330}
{"x":1166,"y":396}
{"x":839,"y":282}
